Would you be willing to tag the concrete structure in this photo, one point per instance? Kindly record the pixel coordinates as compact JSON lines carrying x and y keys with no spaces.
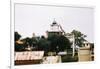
{"x":91,"y":47}
{"x":51,"y":59}
{"x":84,"y":54}
{"x":86,"y":44}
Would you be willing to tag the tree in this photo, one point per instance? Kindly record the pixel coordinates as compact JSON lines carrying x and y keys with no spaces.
{"x":18,"y":47}
{"x":28,"y":43}
{"x":53,"y":42}
{"x":35,"y":41}
{"x":43,"y":44}
{"x":31,"y":42}
{"x":79,"y":37}
{"x":63,"y":43}
{"x":59,"y":43}
{"x":17,"y":36}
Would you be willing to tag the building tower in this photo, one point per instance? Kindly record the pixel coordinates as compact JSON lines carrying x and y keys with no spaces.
{"x":55,"y":29}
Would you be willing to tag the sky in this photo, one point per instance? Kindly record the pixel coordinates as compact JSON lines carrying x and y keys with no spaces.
{"x":37,"y":19}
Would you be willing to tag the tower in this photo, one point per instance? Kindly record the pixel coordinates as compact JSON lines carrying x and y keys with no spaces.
{"x":55,"y":29}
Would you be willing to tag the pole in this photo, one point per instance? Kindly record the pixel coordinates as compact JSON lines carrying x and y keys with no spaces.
{"x":73,"y":47}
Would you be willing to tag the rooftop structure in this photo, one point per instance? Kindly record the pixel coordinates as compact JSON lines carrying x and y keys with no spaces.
{"x":55,"y":29}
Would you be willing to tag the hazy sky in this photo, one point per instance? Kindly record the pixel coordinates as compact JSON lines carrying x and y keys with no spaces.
{"x":37,"y":19}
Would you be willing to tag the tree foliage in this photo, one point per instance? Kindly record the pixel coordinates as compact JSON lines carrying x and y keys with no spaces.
{"x":79,"y":37}
{"x":18,"y":47}
{"x":43,"y":44}
{"x":59,"y":43}
{"x":17,"y":36}
{"x":63,"y":43}
{"x":54,"y":43}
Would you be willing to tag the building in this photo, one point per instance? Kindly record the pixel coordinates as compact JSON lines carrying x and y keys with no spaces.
{"x":55,"y":29}
{"x":86,"y":52}
{"x":28,"y":57}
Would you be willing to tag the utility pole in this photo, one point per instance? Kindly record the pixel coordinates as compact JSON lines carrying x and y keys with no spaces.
{"x":73,"y":46}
